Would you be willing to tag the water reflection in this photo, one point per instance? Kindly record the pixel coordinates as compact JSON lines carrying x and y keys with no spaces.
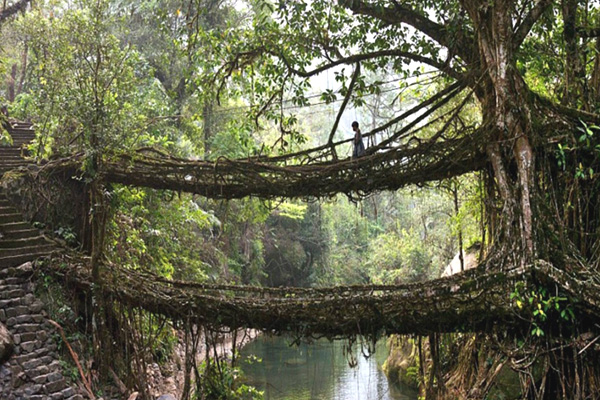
{"x":318,"y":371}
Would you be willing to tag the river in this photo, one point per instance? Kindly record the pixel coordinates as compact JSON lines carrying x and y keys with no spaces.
{"x":317,"y":371}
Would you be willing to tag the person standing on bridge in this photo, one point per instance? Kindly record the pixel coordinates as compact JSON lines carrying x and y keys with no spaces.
{"x":359,"y":147}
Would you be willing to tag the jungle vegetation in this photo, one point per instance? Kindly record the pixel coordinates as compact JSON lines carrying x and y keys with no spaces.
{"x":510,"y":86}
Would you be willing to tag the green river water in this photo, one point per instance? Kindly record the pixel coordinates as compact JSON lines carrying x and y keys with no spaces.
{"x":317,"y":371}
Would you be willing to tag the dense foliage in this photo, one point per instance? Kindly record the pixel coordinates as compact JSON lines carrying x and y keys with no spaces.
{"x":214,"y":79}
{"x":100,"y":80}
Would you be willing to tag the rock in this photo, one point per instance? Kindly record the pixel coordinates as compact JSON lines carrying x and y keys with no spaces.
{"x":7,"y":345}
{"x":25,"y":268}
{"x":166,"y":397}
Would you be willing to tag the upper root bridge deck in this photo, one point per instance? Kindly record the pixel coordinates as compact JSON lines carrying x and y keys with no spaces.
{"x":387,"y":169}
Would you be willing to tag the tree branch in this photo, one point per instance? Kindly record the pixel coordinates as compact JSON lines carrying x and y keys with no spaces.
{"x":588,"y":32}
{"x":13,"y":9}
{"x":444,"y":67}
{"x":343,"y":107}
{"x":450,"y":92}
{"x":534,"y":14}
{"x":400,"y":14}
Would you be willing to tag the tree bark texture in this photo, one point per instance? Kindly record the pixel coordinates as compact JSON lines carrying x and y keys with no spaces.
{"x":506,"y":109}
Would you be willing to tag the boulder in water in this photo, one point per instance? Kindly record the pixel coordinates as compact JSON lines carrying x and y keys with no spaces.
{"x":295,"y":361}
{"x":166,"y":397}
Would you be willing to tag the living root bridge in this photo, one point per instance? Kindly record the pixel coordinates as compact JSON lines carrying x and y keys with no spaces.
{"x":228,"y":179}
{"x":475,"y":300}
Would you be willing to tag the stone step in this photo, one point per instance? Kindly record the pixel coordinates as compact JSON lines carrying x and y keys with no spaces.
{"x":15,"y":122}
{"x":22,"y":234}
{"x":9,"y":150}
{"x":19,"y":128}
{"x":10,"y":295}
{"x":24,"y":124}
{"x":12,"y":166}
{"x":9,"y":227}
{"x":16,"y":251}
{"x":6,"y":150}
{"x":21,"y":131}
{"x":12,"y":261}
{"x":32,"y":241}
{"x":19,"y":140}
{"x":7,"y":209}
{"x":22,"y":134}
{"x":18,"y":144}
{"x":16,"y":154}
{"x":10,"y":162}
{"x":8,"y":287}
{"x":13,"y":217}
{"x":4,"y":170}
{"x":11,"y":157}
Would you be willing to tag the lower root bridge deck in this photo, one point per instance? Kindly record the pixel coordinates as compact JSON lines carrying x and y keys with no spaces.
{"x":475,"y":300}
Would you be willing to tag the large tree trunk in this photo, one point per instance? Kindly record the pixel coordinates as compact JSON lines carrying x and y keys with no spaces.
{"x":11,"y":83}
{"x":506,"y":112}
{"x":23,"y":68}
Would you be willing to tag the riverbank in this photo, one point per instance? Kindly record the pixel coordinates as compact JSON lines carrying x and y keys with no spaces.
{"x":168,"y":378}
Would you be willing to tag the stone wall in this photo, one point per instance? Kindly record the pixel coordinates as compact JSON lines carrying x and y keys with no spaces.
{"x":33,"y":372}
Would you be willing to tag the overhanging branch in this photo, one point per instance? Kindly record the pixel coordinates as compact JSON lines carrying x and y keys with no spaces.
{"x":534,"y":14}
{"x":343,"y":107}
{"x":444,"y":67}
{"x":13,"y":9}
{"x":461,"y":46}
{"x":588,"y":32}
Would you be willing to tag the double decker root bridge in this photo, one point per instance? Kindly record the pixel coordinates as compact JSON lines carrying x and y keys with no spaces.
{"x":472,"y":301}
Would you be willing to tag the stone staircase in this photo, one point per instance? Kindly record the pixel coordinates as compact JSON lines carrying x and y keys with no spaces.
{"x":19,"y":242}
{"x":33,"y":372}
{"x":11,"y":157}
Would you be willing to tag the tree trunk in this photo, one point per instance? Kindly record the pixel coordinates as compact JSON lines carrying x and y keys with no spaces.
{"x":506,"y":111}
{"x":207,"y":116}
{"x":595,"y":83}
{"x":461,"y":256}
{"x":11,"y":83}
{"x":572,"y":86}
{"x":23,"y":68}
